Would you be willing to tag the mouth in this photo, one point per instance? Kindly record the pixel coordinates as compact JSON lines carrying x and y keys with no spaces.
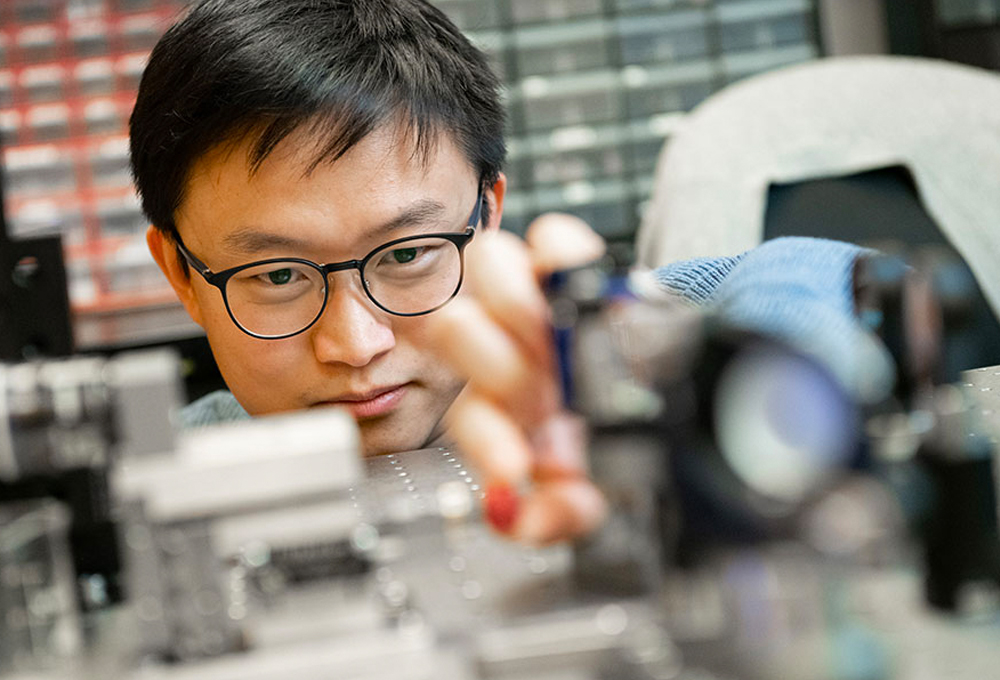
{"x":378,"y":402}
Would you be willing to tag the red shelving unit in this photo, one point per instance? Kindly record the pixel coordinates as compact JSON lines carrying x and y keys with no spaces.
{"x":69,"y":70}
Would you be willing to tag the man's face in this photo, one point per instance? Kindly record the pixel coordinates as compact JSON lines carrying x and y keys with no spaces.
{"x":356,"y":355}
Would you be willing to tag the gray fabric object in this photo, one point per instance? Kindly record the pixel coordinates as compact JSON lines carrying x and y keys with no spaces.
{"x":825,"y":118}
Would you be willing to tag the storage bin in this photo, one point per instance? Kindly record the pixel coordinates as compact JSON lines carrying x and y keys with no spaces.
{"x":576,"y":154}
{"x":44,"y":217}
{"x":120,"y":216}
{"x":38,"y":169}
{"x":95,"y":77}
{"x":89,"y":39}
{"x":471,"y":14}
{"x":764,"y":24}
{"x":48,"y":123}
{"x":43,"y":83}
{"x":38,"y":44}
{"x":33,"y":11}
{"x":104,"y":117}
{"x":10,"y":126}
{"x":129,"y":69}
{"x":109,"y":162}
{"x":529,"y":11}
{"x":638,"y":5}
{"x":6,"y":88}
{"x":562,"y":48}
{"x":141,"y":32}
{"x":575,"y":99}
{"x":968,"y":12}
{"x":136,"y":5}
{"x":668,"y":89}
{"x":657,"y":38}
{"x":736,"y":66}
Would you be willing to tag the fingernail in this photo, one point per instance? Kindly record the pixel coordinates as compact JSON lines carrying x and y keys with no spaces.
{"x":501,"y":506}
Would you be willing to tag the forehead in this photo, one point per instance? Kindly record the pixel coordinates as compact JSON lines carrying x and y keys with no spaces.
{"x":369,"y":184}
{"x":390,"y":152}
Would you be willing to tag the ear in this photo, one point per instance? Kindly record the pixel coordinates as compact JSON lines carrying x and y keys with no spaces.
{"x":495,"y":195}
{"x":164,"y":251}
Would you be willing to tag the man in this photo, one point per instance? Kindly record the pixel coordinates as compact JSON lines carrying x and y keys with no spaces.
{"x":285,"y":131}
{"x":313,"y":171}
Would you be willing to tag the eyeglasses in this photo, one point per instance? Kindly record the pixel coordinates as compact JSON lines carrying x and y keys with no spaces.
{"x":281,"y":297}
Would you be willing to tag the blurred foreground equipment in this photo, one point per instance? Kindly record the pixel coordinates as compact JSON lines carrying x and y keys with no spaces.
{"x":766,"y":524}
{"x":771,"y":488}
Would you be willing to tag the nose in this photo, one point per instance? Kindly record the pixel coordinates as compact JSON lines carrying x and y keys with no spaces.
{"x":352,"y":330}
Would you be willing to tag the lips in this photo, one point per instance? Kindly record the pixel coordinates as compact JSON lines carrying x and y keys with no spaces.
{"x":370,"y":404}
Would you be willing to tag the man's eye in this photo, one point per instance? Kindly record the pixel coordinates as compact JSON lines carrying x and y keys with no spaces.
{"x":280,"y":277}
{"x":404,"y":255}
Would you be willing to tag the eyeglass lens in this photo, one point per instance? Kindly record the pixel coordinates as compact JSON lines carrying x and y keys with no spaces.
{"x":282,"y":298}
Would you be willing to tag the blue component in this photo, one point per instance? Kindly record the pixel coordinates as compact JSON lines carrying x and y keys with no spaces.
{"x":614,"y":287}
{"x":562,"y":334}
{"x":563,"y":341}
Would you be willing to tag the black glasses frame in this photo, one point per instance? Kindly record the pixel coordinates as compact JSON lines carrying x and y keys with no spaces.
{"x":220,"y":279}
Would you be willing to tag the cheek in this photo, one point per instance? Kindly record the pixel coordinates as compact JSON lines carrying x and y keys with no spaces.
{"x":259,"y":373}
{"x":413,"y":337}
{"x":235,"y":348}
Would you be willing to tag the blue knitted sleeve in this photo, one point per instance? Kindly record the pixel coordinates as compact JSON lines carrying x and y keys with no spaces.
{"x":799,"y":290}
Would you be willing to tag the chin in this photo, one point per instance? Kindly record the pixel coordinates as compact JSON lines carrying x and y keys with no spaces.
{"x":381,"y":438}
{"x":417,"y":424}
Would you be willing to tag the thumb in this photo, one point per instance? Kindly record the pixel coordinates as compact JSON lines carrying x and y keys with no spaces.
{"x":561,"y":241}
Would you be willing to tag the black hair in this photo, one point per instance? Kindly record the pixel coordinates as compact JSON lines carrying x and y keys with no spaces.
{"x":231,"y":70}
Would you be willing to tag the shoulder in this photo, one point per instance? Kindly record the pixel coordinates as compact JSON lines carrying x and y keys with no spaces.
{"x":213,"y":408}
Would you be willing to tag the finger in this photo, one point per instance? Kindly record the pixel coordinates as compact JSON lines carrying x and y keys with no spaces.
{"x":475,"y":346}
{"x":559,"y":510}
{"x":490,"y":440}
{"x":501,"y":274}
{"x":560,"y":446}
{"x":561,"y":241}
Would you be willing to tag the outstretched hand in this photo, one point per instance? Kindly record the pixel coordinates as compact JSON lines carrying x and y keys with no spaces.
{"x":509,"y":420}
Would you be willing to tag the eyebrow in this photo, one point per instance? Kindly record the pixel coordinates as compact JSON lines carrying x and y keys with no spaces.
{"x":250,"y":240}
